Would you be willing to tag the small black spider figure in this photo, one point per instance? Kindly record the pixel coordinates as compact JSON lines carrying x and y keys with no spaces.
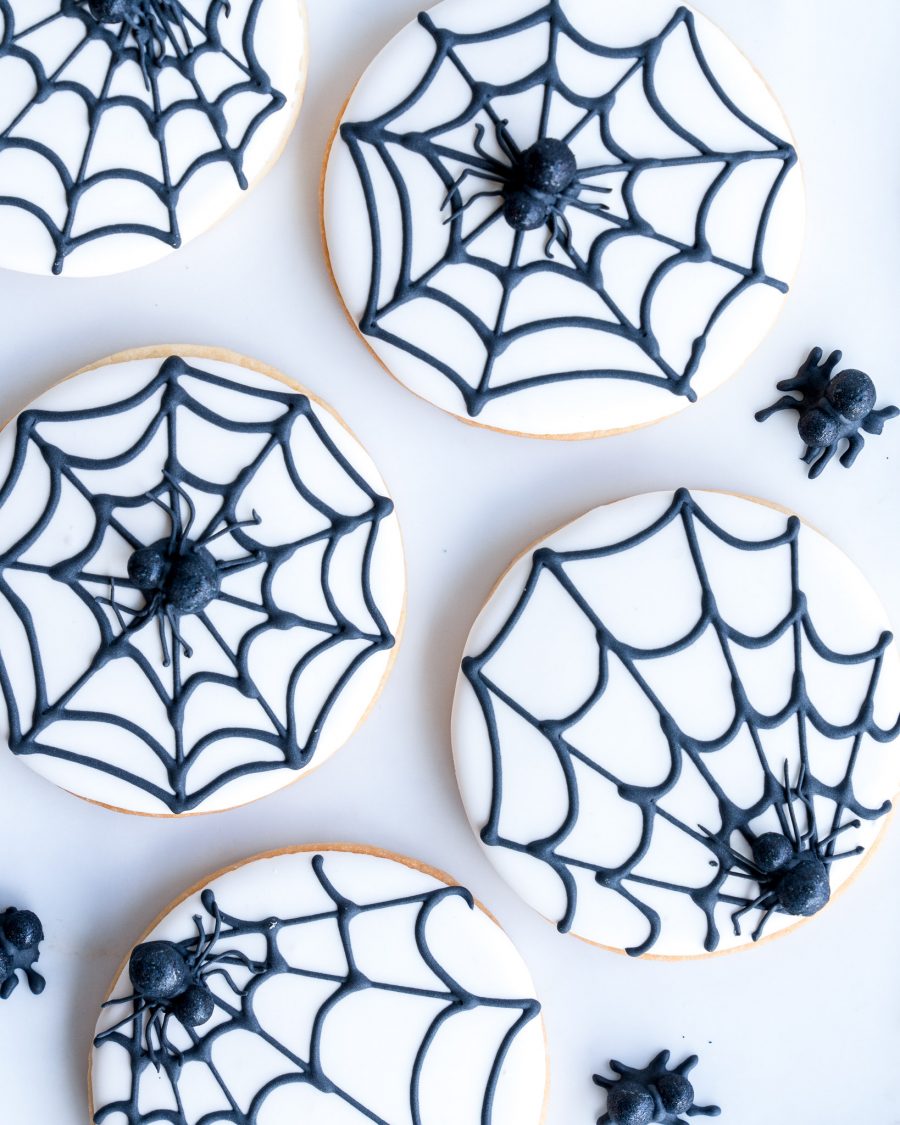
{"x":170,"y":982}
{"x":152,"y":23}
{"x":21,"y":934}
{"x":536,"y":186}
{"x":654,"y":1095}
{"x":177,"y":576}
{"x":791,"y":868}
{"x":832,"y":408}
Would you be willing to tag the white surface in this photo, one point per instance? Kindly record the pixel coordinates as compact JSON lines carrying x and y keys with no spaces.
{"x":805,"y":1031}
{"x":671,"y":199}
{"x":369,"y":1041}
{"x":649,"y":596}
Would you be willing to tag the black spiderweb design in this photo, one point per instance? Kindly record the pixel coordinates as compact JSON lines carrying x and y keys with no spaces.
{"x":180,"y":46}
{"x":465,"y":168}
{"x":730,"y":846}
{"x":126,"y":631}
{"x":235,"y":1011}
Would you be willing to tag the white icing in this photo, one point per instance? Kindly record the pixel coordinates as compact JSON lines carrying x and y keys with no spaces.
{"x":669,"y":198}
{"x":369,"y":1039}
{"x":68,"y":633}
{"x":122,"y":138}
{"x":648,"y":596}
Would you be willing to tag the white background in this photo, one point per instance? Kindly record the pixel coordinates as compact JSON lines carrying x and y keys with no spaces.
{"x":804,"y":1031}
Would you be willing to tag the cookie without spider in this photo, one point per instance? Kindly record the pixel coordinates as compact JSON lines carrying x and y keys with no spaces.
{"x":201,"y":582}
{"x":128,"y":127}
{"x":673,"y":721}
{"x":335,"y":985}
{"x":559,"y":217}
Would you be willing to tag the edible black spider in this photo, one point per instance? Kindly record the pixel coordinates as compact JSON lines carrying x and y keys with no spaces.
{"x":653,"y":1095}
{"x":791,"y":868}
{"x":21,"y":934}
{"x":152,"y":23}
{"x":178,"y":575}
{"x":832,"y":408}
{"x":170,"y":982}
{"x":536,"y":186}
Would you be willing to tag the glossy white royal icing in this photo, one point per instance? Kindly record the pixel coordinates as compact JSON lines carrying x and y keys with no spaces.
{"x":116,"y":148}
{"x":284,"y":661}
{"x":676,"y":282}
{"x":640,"y":679}
{"x":375,"y":992}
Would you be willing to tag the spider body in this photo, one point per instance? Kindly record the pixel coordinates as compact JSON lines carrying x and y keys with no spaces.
{"x":186,"y":579}
{"x":21,"y":934}
{"x":177,"y":576}
{"x":535,"y":185}
{"x":832,"y":408}
{"x":151,"y":23}
{"x":652,"y":1095}
{"x":170,"y":981}
{"x":791,"y":867}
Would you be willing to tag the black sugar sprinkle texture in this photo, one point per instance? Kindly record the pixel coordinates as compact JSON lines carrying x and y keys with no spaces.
{"x":651,"y":1095}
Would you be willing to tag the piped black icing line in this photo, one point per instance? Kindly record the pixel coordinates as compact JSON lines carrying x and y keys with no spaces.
{"x":652,"y":1095}
{"x":21,"y":935}
{"x":800,"y":710}
{"x":156,"y":36}
{"x":378,"y":136}
{"x":832,"y":409}
{"x":32,"y":733}
{"x":177,"y":968}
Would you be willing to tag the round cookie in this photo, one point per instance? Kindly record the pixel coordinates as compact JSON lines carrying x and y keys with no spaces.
{"x":201,"y":582}
{"x":562,"y":218}
{"x":673,"y":721}
{"x":129,"y":127}
{"x":335,"y":985}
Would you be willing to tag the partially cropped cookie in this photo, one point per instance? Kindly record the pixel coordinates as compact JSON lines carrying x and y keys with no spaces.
{"x":201,"y":582}
{"x":562,"y":218}
{"x":128,"y":127}
{"x":674,"y":722}
{"x":327,"y":986}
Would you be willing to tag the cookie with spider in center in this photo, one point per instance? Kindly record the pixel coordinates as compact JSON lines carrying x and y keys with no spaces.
{"x":201,"y":582}
{"x":129,"y":127}
{"x":674,"y":724}
{"x":562,"y":218}
{"x":335,"y":985}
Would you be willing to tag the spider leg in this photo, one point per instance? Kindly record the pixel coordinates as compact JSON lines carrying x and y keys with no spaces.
{"x":186,"y":648}
{"x":874,"y":422}
{"x":465,"y":207}
{"x":140,"y":1006}
{"x":758,"y":932}
{"x":230,"y":525}
{"x":785,"y":403}
{"x":797,"y":838}
{"x":739,"y":861}
{"x":704,"y":1111}
{"x":180,"y":491}
{"x":506,"y":142}
{"x":756,"y":904}
{"x":458,"y":183}
{"x":832,"y":836}
{"x":161,"y":622}
{"x":829,"y":859}
{"x":855,"y":443}
{"x":819,"y":466}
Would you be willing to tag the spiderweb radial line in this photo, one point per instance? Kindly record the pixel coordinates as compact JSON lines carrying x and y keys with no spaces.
{"x":774,"y":798}
{"x":94,"y":118}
